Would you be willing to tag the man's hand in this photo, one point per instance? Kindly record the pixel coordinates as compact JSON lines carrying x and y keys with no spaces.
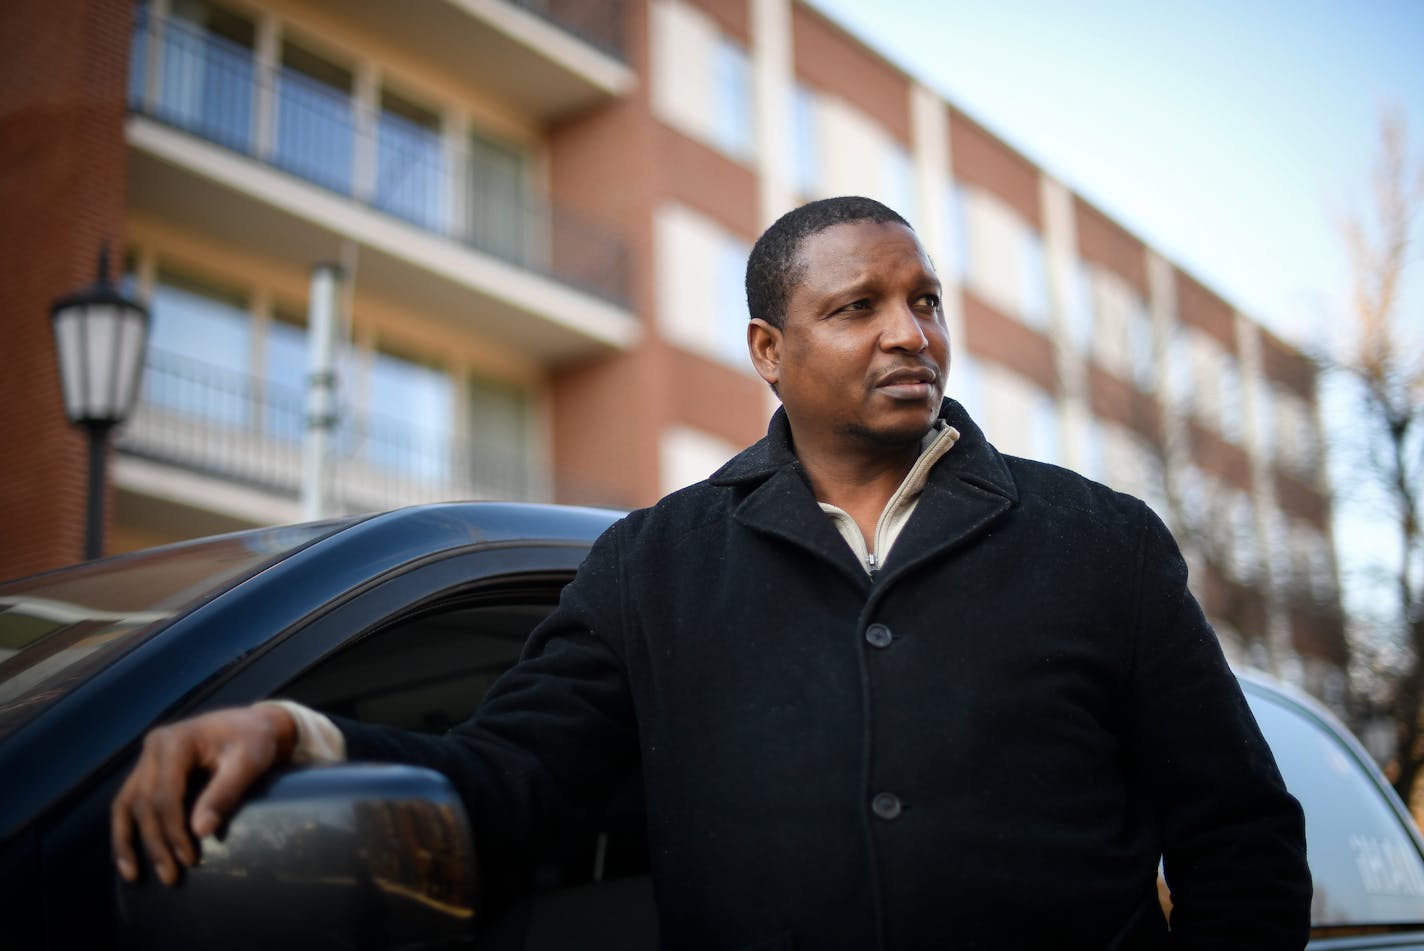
{"x":234,"y":746}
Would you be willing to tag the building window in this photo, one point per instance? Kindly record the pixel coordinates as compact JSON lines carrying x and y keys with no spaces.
{"x":499,"y":222}
{"x":1045,"y":442}
{"x":965,"y":383}
{"x":1006,"y":263}
{"x":1229,"y":419}
{"x":690,"y":455}
{"x":410,"y":163}
{"x":1141,"y":350}
{"x":732,"y":110}
{"x":1078,"y":306}
{"x":702,"y":285}
{"x":701,"y":79}
{"x":898,"y":181}
{"x":316,"y":132}
{"x":405,"y":421}
{"x":283,"y":381}
{"x":205,"y":70}
{"x":1033,"y":279}
{"x":957,"y":233}
{"x":499,"y":435}
{"x":805,"y":141}
{"x":200,"y":348}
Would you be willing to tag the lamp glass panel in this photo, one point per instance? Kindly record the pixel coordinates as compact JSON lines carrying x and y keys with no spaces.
{"x":101,"y":351}
{"x":133,"y":340}
{"x":68,"y":341}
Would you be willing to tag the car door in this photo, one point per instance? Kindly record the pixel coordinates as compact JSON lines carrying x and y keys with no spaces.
{"x":418,"y":652}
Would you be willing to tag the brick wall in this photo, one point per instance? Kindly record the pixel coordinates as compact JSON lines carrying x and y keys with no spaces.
{"x":62,"y":75}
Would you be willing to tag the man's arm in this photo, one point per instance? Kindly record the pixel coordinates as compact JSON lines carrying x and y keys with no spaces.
{"x":1233,"y":837}
{"x":553,"y":737}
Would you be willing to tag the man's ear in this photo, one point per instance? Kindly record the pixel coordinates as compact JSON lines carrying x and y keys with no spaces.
{"x":764,"y":345}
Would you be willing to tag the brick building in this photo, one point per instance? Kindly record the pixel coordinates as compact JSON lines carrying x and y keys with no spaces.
{"x":541,"y":212}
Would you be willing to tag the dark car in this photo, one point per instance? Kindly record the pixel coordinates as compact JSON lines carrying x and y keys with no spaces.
{"x":406,"y":618}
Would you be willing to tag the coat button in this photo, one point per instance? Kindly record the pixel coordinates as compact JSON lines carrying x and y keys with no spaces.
{"x":886,"y":806}
{"x":878,"y":635}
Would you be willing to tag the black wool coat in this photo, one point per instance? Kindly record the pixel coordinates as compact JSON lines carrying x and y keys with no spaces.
{"x":989,"y":744}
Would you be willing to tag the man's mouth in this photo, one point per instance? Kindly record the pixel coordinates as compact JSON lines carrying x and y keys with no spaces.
{"x":909,"y":383}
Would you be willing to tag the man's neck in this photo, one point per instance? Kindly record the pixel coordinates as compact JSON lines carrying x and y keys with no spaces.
{"x":859,"y":483}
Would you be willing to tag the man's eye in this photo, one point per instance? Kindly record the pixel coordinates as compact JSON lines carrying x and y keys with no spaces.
{"x":930,"y":299}
{"x":857,"y":305}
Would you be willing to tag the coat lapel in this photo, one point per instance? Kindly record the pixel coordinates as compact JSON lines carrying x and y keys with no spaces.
{"x":967,"y":491}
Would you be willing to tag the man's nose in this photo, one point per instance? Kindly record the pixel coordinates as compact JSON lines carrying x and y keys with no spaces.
{"x":903,"y":331}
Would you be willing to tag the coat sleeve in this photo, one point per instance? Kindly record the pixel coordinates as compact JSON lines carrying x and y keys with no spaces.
{"x":551,"y":741}
{"x":1233,"y":837}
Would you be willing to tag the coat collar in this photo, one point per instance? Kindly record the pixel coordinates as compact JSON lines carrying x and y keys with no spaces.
{"x":966,"y":490}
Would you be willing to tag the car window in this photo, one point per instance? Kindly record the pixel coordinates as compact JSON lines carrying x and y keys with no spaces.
{"x":1367,"y":867}
{"x":58,"y":628}
{"x":427,"y":671}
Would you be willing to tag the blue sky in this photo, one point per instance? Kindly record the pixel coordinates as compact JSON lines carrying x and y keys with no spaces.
{"x":1224,"y":134}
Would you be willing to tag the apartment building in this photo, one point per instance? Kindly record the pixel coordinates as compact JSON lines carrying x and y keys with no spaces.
{"x":540,"y":212}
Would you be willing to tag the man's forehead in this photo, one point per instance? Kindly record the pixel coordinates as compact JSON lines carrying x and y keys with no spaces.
{"x":855,"y":246}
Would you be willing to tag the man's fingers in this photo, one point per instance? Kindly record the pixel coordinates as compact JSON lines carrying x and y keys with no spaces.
{"x":238,"y":767}
{"x":121,"y":833}
{"x":233,"y":746}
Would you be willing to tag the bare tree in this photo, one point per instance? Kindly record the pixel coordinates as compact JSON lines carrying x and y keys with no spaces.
{"x":1384,"y":367}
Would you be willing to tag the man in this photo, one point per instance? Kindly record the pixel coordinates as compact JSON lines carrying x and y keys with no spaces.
{"x":886,"y":687}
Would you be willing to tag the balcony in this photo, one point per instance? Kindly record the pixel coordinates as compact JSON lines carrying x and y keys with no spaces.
{"x":545,"y":58}
{"x":269,"y":157}
{"x":244,"y":430}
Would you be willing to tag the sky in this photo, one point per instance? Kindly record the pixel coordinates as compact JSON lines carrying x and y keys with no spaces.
{"x":1227,"y":135}
{"x":1230,"y":136}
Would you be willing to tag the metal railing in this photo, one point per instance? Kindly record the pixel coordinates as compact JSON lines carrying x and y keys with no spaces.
{"x":248,"y":430}
{"x":471,"y":193}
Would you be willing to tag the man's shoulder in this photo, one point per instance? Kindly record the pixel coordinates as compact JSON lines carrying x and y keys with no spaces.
{"x":690,"y":511}
{"x":1045,"y":486}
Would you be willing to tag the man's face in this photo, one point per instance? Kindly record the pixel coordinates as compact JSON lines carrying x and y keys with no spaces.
{"x":862,"y":355}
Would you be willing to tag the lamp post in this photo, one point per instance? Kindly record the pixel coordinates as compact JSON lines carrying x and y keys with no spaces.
{"x":100,"y":336}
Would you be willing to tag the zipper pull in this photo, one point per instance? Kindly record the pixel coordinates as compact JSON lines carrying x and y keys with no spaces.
{"x":871,"y":564}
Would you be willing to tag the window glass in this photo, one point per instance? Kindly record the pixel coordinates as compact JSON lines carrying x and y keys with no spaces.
{"x":57,"y":629}
{"x":804,"y":141}
{"x":1229,"y":420}
{"x":199,"y":351}
{"x":1044,"y":429}
{"x":732,"y":105}
{"x":284,"y":377}
{"x":315,"y":126}
{"x":410,"y":162}
{"x":898,"y":185}
{"x":1079,"y":306}
{"x":498,"y":223}
{"x":1140,"y":350}
{"x":408,"y":423}
{"x":427,"y":673}
{"x":499,"y":439}
{"x":731,"y":312}
{"x":958,"y":234}
{"x":1033,"y":277}
{"x":1367,"y":867}
{"x":206,"y":82}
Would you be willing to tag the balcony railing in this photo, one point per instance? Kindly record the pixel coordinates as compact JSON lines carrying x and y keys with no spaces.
{"x":472,"y":193}
{"x":248,"y":430}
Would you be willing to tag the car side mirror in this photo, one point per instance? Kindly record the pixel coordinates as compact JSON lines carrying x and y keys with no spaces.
{"x":349,"y":856}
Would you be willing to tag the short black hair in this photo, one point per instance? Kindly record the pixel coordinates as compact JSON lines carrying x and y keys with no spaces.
{"x":774,"y":267}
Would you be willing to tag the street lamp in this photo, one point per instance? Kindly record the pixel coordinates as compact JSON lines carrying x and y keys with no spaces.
{"x":100,"y":335}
